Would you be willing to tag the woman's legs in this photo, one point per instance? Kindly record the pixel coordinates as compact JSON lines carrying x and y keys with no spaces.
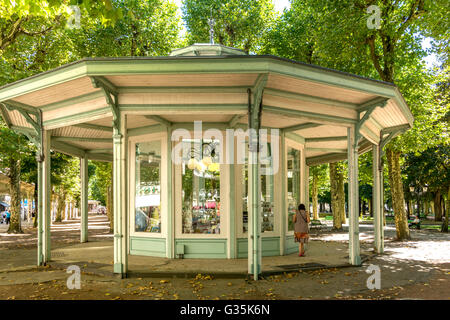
{"x":300,"y":249}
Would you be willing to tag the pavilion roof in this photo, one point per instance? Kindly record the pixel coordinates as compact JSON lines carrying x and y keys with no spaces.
{"x":312,"y":104}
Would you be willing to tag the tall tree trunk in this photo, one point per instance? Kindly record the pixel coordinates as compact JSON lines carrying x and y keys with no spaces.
{"x":335,"y":203}
{"x":14,"y":191}
{"x":109,"y":208}
{"x":61,"y":204}
{"x":437,"y":206}
{"x":401,"y":222}
{"x":36,"y":206}
{"x":315,"y":197}
{"x":444,"y":227}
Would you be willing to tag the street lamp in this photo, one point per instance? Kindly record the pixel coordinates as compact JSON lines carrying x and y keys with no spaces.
{"x":419,"y":191}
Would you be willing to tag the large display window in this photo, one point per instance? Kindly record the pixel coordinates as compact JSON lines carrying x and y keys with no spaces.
{"x":200,"y":187}
{"x":267,"y":195}
{"x":148,"y":187}
{"x":293,"y":184}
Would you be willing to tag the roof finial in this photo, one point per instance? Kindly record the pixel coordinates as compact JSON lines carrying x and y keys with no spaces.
{"x":211,"y":23}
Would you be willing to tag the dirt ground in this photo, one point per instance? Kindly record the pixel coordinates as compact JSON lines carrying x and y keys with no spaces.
{"x":338,"y":284}
{"x":416,"y":269}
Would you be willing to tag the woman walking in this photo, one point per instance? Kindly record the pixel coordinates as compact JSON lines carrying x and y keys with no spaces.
{"x":301,"y":230}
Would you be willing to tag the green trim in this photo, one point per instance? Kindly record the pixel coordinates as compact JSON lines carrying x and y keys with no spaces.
{"x":10,"y":104}
{"x":99,"y":151}
{"x":145,"y":130}
{"x":24,"y":130}
{"x":394,"y":129}
{"x":270,"y":247}
{"x":303,"y":126}
{"x":93,"y":127}
{"x":291,"y":245}
{"x":295,"y":137}
{"x":203,"y":248}
{"x":160,"y":120}
{"x":187,"y":89}
{"x":72,"y":101}
{"x":99,"y":156}
{"x":67,"y":149}
{"x":308,"y":98}
{"x":369,"y":107}
{"x":371,"y":104}
{"x":145,"y":246}
{"x":303,"y":114}
{"x":5,"y":115}
{"x":161,"y":108}
{"x":103,"y":83}
{"x":205,"y":125}
{"x":81,"y":139}
{"x":326,"y":139}
{"x":334,"y":150}
{"x":327,"y":158}
{"x":84,"y":116}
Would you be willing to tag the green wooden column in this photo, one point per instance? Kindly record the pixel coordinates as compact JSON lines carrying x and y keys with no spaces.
{"x":170,"y":240}
{"x":283,"y":189}
{"x":44,"y":200}
{"x":255,"y":209}
{"x":376,"y":199}
{"x":120,"y":196}
{"x":353,"y":199}
{"x":84,"y":199}
{"x":231,"y":160}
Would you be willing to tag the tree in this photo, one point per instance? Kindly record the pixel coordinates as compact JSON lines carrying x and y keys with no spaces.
{"x":146,"y":28}
{"x":32,"y":18}
{"x":238,"y":23}
{"x":337,"y":194}
{"x":13,"y":149}
{"x":431,"y":167}
{"x":101,"y":187}
{"x":393,"y":52}
{"x":319,"y":176}
{"x":65,"y":180}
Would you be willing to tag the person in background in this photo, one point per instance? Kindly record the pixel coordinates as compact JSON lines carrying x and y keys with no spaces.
{"x":8,"y":216}
{"x":301,"y":230}
{"x":415,"y":222}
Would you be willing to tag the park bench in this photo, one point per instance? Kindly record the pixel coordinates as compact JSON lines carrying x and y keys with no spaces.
{"x":316,"y":225}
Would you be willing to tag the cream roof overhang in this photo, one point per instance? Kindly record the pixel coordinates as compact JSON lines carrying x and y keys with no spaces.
{"x":312,"y":104}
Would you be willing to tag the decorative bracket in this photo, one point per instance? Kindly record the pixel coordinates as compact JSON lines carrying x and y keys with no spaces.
{"x":392,"y":133}
{"x":368,"y":107}
{"x":36,"y":133}
{"x":112,"y":98}
{"x":255,"y":108}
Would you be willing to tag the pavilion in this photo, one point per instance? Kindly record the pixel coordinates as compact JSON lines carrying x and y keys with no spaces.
{"x":133,"y":111}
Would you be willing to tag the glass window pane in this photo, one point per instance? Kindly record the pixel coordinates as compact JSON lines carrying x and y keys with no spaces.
{"x":293,"y":176}
{"x":201,"y":187}
{"x":148,"y":187}
{"x":266,"y":196}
